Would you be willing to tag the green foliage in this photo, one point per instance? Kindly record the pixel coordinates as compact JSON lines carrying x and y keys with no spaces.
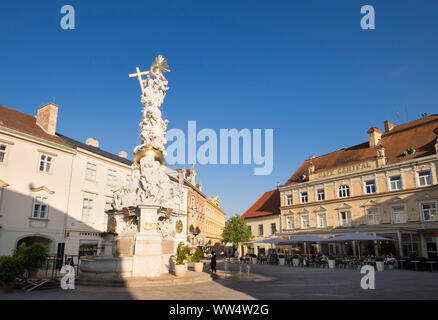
{"x":181,"y":253}
{"x":34,"y":256}
{"x":236,"y":231}
{"x":330,"y":257}
{"x":11,"y":267}
{"x":198,"y":255}
{"x":378,"y":258}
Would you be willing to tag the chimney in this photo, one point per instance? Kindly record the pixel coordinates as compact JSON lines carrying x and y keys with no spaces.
{"x":47,"y":116}
{"x":123,"y":154}
{"x":92,"y":142}
{"x":388,"y":125}
{"x":374,"y":135}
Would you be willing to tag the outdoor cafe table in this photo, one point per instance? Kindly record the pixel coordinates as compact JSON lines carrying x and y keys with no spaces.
{"x":431,"y":264}
{"x":415,"y":262}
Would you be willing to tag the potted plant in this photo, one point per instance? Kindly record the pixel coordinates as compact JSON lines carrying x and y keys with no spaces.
{"x":281,"y":260}
{"x":254,"y":258}
{"x":380,"y":264}
{"x":197,"y":259}
{"x":181,"y":258}
{"x":331,"y":262}
{"x":295,"y":260}
{"x":32,"y":257}
{"x":11,"y":267}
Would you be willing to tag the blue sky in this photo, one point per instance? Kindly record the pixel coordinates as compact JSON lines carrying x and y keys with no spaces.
{"x":303,"y":68}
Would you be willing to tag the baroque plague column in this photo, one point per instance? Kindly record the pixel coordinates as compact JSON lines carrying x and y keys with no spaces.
{"x":146,"y":209}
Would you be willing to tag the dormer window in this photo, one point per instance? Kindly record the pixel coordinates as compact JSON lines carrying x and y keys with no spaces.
{"x":344,"y":191}
{"x":409,"y":152}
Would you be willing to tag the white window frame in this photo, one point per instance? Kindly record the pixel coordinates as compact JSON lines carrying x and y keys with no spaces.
{"x":87,"y":208}
{"x":390,"y":182}
{"x":90,"y":173}
{"x":302,"y":221}
{"x":422,"y":210}
{"x":4,"y":152}
{"x":344,"y":191}
{"x":45,"y":163}
{"x":260,"y":232}
{"x":302,"y":197}
{"x":318,"y":221}
{"x":376,"y":215}
{"x":365,"y":186}
{"x":290,"y":221}
{"x":318,"y":193}
{"x":275,"y":227}
{"x":40,"y":201}
{"x":405,"y":214}
{"x":425,"y":180}
{"x":347,"y":218}
{"x":289,"y":199}
{"x":111,"y":177}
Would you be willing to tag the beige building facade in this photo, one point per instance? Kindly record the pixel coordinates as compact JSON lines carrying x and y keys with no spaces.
{"x":214,"y":222}
{"x":387,"y":187}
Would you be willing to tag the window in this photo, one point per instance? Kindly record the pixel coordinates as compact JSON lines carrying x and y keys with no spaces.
{"x":112,"y":177}
{"x":273,"y":228}
{"x":90,"y":172}
{"x":322,"y":220}
{"x":431,"y":247}
{"x":87,"y":208}
{"x":428,"y":211}
{"x":3,"y":149}
{"x":395,"y":183}
{"x":320,"y":195}
{"x":290,"y":222}
{"x":40,"y":208}
{"x":399,"y":214}
{"x":249,"y":227}
{"x":260,"y":230}
{"x":304,"y":198}
{"x":344,"y":191}
{"x":372,"y":216}
{"x":289,"y":200}
{"x":370,"y":186}
{"x":45,"y":163}
{"x":344,"y":218}
{"x":305,"y":221}
{"x":425,"y":178}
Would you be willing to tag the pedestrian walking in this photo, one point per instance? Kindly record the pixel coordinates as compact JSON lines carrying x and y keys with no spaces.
{"x":213,"y":262}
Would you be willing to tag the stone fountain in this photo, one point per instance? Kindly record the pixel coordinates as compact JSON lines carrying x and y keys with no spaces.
{"x":146,"y":214}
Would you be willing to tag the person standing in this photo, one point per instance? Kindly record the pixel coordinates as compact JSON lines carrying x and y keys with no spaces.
{"x":213,"y":262}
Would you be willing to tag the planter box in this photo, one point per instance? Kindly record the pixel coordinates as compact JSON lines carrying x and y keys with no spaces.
{"x":199,"y":266}
{"x":380,"y":265}
{"x":254,"y":260}
{"x":281,"y":261}
{"x":331,"y":264}
{"x":296,"y":262}
{"x":180,"y":270}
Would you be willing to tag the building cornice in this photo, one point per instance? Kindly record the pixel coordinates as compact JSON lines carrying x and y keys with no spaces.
{"x":37,"y":140}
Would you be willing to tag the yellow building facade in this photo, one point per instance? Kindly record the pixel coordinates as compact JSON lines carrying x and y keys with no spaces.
{"x":214,"y":221}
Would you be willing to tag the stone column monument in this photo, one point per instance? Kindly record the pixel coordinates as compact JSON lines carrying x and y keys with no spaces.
{"x":146,"y":211}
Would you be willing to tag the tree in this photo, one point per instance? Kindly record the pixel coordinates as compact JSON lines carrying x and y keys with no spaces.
{"x":236,"y":231}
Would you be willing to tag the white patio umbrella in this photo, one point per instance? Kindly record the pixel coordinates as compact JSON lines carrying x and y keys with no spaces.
{"x":357,"y":236}
{"x":271,"y":240}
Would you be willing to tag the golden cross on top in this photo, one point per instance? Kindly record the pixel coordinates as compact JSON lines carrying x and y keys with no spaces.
{"x":138,"y":75}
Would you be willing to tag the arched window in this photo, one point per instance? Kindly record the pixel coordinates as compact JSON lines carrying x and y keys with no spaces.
{"x":344,"y":191}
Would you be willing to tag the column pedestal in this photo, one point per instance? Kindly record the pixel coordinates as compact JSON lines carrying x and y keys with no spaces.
{"x":147,"y":260}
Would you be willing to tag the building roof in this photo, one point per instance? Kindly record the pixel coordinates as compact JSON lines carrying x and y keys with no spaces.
{"x":420,"y":135}
{"x":26,"y":123}
{"x":267,"y":204}
{"x":77,"y":144}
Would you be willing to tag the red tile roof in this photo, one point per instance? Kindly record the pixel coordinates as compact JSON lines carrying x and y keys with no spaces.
{"x":25,"y":123}
{"x":267,"y":204}
{"x":420,"y":135}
